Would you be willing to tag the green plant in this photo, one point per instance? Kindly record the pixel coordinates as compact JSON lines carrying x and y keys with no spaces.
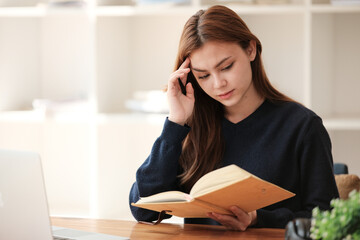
{"x":341,"y":222}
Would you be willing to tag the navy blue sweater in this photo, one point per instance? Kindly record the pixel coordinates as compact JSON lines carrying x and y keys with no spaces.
{"x":285,"y":144}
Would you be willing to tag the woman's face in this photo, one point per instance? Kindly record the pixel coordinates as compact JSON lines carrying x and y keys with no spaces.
{"x":223,"y":71}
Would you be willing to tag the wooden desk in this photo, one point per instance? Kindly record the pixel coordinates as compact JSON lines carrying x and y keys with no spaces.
{"x":136,"y":230}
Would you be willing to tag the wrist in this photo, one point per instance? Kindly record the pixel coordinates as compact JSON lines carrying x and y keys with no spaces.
{"x":175,"y":120}
{"x":253,"y":215}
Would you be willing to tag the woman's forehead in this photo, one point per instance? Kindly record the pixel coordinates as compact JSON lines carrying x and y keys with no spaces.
{"x":211,"y":53}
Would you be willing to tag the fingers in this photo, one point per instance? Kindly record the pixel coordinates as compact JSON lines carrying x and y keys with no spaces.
{"x":240,"y":221}
{"x":230,"y":222}
{"x":190,"y":91}
{"x":173,"y":84}
{"x":181,"y":73}
{"x":241,"y":215}
{"x":184,"y":66}
{"x":223,"y":220}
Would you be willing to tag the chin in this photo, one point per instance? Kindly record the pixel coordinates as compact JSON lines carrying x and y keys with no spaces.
{"x":228,"y":103}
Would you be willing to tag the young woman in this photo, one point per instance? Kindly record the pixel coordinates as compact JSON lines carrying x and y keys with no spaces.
{"x":231,"y":114}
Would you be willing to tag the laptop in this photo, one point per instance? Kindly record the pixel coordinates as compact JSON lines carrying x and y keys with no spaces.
{"x":24,"y":211}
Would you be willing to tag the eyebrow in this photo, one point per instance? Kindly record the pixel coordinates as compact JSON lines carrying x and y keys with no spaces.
{"x":217,"y":65}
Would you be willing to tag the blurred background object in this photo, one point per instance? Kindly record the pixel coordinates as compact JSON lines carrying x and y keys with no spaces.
{"x":67,"y":3}
{"x":115,"y":2}
{"x":148,"y":102}
{"x":345,"y":2}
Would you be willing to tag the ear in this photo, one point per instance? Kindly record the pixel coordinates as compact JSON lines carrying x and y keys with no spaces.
{"x":251,"y":50}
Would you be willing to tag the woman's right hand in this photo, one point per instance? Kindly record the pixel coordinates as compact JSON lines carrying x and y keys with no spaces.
{"x":180,"y":106}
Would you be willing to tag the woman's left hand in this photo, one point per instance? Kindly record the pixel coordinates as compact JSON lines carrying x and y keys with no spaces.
{"x":239,"y":222}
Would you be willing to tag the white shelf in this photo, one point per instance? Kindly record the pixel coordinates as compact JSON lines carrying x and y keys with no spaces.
{"x":22,"y":11}
{"x":326,"y":8}
{"x":121,"y":11}
{"x":41,"y":11}
{"x":22,"y":116}
{"x":171,"y":9}
{"x":189,"y":10}
{"x":144,"y":118}
{"x":268,"y":9}
{"x":38,"y":116}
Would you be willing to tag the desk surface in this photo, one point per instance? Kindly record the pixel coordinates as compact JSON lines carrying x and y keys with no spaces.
{"x":136,"y":230}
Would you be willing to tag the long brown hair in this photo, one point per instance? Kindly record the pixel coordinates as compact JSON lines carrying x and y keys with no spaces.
{"x":204,"y":146}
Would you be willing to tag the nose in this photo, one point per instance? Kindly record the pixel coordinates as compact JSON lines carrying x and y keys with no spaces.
{"x":219,"y":81}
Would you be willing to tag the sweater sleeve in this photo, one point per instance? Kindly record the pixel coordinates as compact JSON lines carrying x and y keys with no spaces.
{"x":160,"y":170}
{"x":317,"y":182}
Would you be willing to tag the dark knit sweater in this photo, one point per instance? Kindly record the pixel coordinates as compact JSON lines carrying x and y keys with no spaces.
{"x":285,"y":144}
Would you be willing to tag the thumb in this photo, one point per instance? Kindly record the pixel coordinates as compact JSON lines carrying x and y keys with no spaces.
{"x":190,"y":91}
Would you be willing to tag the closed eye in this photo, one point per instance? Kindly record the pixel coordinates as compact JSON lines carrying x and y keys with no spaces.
{"x":204,"y":76}
{"x":227,"y":67}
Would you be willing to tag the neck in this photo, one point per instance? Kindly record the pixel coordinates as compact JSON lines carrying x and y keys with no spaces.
{"x":248,"y":104}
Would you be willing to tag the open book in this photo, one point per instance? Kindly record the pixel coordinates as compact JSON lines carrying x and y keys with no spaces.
{"x":217,"y":191}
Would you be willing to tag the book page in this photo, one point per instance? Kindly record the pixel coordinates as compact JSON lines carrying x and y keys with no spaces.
{"x":218,"y":178}
{"x":170,"y":196}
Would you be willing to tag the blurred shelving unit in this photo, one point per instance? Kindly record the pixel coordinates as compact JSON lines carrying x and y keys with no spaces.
{"x":321,"y":8}
{"x":103,"y":52}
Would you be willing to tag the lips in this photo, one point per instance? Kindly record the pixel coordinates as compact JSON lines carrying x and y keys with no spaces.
{"x":226,"y":95}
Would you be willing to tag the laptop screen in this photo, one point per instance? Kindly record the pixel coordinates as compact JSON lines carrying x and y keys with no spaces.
{"x":23,"y":205}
